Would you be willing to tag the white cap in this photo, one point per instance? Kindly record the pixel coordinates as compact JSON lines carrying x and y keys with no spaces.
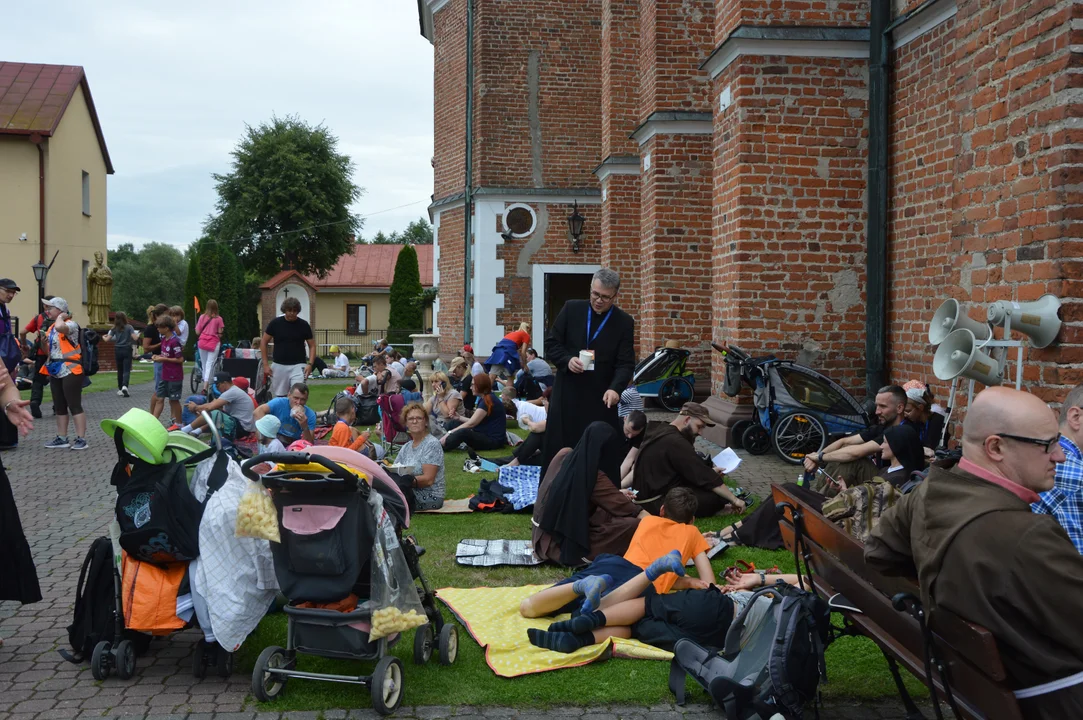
{"x":59,"y":303}
{"x":268,"y":426}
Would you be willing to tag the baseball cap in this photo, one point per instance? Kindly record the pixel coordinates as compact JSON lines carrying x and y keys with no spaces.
{"x":58,"y":302}
{"x":222,"y":376}
{"x":467,"y":348}
{"x":333,"y":348}
{"x":268,"y":426}
{"x":9,"y":284}
{"x":693,"y":409}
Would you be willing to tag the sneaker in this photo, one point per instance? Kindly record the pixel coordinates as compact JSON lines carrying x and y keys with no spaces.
{"x":173,"y":427}
{"x":58,"y":443}
{"x":124,"y":391}
{"x":471,"y":467}
{"x":79,"y":444}
{"x":120,"y":393}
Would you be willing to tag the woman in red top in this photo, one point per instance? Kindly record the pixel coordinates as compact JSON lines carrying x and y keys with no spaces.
{"x":510,"y":352}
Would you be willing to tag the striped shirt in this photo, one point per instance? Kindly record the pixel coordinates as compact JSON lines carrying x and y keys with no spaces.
{"x":629,"y":400}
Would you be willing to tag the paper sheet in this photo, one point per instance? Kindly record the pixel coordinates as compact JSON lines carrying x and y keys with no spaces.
{"x":727,"y":460}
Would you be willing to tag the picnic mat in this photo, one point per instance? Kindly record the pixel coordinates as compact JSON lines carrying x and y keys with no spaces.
{"x":491,"y":616}
{"x":452,"y":506}
{"x":490,"y":553}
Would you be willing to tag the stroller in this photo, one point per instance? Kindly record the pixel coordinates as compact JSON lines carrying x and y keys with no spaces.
{"x":392,"y":432}
{"x":797,"y":408}
{"x":342,"y":536}
{"x":664,"y":375}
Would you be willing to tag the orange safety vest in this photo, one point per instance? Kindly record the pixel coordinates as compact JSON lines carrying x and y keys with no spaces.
{"x":71,"y":354}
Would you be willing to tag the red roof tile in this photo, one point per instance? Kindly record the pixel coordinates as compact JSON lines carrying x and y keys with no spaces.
{"x":33,"y":99}
{"x":368,"y":266}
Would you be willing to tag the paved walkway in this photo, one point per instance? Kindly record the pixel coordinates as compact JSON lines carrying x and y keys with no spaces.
{"x":65,"y":501}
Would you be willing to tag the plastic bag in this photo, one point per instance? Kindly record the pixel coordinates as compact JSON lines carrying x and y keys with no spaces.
{"x":395,"y":602}
{"x":256,"y":514}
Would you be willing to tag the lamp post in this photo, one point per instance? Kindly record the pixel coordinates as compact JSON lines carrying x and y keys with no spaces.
{"x":41,"y":270}
{"x":575,"y":226}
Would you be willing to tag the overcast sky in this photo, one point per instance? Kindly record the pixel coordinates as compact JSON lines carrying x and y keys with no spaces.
{"x":175,"y":84}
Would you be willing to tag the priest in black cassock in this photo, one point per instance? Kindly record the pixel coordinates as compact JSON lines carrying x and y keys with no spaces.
{"x":582,"y":396}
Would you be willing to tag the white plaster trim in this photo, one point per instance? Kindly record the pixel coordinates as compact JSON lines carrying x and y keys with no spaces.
{"x":430,"y":8}
{"x":436,"y":272}
{"x":736,"y":47}
{"x":605,"y":171}
{"x":537,"y":324}
{"x":537,"y":200}
{"x":672,"y":127}
{"x":936,"y":14}
{"x":533,"y":219}
{"x":487,"y":268}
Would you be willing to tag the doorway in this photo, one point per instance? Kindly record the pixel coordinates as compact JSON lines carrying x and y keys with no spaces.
{"x":554,"y":285}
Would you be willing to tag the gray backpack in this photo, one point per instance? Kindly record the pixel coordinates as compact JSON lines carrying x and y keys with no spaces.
{"x":779,"y":668}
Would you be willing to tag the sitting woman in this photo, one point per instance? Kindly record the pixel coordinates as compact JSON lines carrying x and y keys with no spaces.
{"x":920,"y":414}
{"x":580,"y":513}
{"x":424,"y":454}
{"x":460,"y":378}
{"x":486,"y":428}
{"x":445,"y":405}
{"x":900,"y":448}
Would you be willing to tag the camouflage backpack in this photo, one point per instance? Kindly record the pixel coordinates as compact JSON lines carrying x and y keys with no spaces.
{"x":857,"y":509}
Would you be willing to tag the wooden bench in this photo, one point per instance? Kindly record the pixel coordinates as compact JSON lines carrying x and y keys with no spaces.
{"x":977,"y":677}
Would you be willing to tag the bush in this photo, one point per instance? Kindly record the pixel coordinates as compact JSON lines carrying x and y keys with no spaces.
{"x":407,"y":315}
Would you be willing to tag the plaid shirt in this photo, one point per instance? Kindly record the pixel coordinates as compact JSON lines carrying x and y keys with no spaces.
{"x":1065,"y":500}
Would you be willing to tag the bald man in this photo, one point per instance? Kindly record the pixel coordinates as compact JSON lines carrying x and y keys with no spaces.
{"x":979,"y":551}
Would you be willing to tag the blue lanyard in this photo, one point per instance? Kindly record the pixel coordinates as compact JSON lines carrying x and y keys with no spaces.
{"x":592,"y":338}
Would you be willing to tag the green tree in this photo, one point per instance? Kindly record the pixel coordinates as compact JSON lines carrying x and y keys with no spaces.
{"x":286,"y":200}
{"x":193,"y":288}
{"x":406,"y":313}
{"x":217,"y":270}
{"x":418,"y":232}
{"x":381,"y":239}
{"x":148,"y":276}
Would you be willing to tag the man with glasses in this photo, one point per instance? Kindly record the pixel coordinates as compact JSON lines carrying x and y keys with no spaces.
{"x":1065,"y":500}
{"x":586,"y":392}
{"x":979,"y":551}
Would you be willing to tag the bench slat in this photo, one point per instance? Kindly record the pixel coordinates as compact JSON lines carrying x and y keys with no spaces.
{"x":976,"y":694}
{"x":968,"y":640}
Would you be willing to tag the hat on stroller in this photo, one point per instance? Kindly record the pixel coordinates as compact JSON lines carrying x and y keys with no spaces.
{"x":144,"y":436}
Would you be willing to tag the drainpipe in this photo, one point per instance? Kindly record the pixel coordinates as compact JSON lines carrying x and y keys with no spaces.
{"x":468,"y":197}
{"x":876,"y":252}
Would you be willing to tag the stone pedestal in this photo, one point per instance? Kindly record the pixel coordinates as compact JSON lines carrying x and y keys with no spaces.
{"x":426,"y":349}
{"x":727,"y":414}
{"x":107,"y":358}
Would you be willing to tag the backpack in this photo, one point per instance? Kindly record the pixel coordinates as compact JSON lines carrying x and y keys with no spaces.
{"x":88,"y":350}
{"x":158,"y":514}
{"x":95,"y":603}
{"x":779,"y":667}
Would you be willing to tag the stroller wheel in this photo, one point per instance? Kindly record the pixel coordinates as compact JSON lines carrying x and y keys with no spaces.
{"x":756,"y":440}
{"x":423,"y":645}
{"x":737,"y":433}
{"x":386,"y":687}
{"x":449,"y":644}
{"x":101,"y":660}
{"x":125,"y":659}
{"x":266,"y":685}
{"x":674,"y":393}
{"x":796,"y":435}
{"x":200,"y":660}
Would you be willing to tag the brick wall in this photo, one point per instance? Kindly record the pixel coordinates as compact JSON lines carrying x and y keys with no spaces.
{"x":620,"y":86}
{"x":621,"y":245}
{"x":675,"y":37}
{"x":449,"y":110}
{"x":789,"y":204}
{"x":450,"y":317}
{"x":831,"y":13}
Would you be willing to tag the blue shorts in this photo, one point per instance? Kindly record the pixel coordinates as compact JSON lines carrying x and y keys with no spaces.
{"x":157,"y":374}
{"x":169,"y":389}
{"x":605,"y":564}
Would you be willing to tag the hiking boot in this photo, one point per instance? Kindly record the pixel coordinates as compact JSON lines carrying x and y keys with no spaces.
{"x":124,"y":391}
{"x":35,"y":411}
{"x":79,"y":444}
{"x":58,"y":443}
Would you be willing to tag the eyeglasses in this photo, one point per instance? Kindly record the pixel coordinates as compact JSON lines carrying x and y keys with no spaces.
{"x":594,"y":295}
{"x":415,"y":418}
{"x":1046,"y":445}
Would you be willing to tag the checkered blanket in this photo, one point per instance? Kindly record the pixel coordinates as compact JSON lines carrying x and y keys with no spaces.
{"x":523,"y":481}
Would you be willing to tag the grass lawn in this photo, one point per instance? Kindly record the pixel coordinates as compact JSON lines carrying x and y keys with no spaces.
{"x":107,"y":381}
{"x":856,"y":669}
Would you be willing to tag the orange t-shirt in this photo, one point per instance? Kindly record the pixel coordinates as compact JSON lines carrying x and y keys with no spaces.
{"x":519,"y":337}
{"x":342,"y":436}
{"x":657,"y":536}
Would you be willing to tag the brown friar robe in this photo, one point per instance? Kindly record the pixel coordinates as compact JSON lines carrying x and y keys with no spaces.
{"x":979,"y":551}
{"x":613,"y":517}
{"x":667,"y":459}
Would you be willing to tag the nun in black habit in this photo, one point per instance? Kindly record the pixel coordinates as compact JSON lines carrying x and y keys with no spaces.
{"x":581,"y":396}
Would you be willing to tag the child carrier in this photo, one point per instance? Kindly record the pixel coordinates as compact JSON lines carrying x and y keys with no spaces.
{"x":778,"y":667}
{"x":349,"y":574}
{"x":664,"y":375}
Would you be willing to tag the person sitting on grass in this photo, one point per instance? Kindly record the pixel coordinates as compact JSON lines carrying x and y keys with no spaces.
{"x":444,"y":406}
{"x":702,"y":615}
{"x":267,"y":427}
{"x":424,"y":457}
{"x":341,"y":368}
{"x":384,"y":380}
{"x":232,"y":411}
{"x":653,"y":538}
{"x":531,"y":418}
{"x":580,"y":513}
{"x":344,"y":434}
{"x":486,"y":428}
{"x":635,"y":427}
{"x":296,"y":417}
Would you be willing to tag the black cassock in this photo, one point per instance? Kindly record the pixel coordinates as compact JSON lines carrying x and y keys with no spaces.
{"x":576,"y":401}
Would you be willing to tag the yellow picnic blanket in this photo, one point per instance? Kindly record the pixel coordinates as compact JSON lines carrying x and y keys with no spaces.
{"x":491,"y":615}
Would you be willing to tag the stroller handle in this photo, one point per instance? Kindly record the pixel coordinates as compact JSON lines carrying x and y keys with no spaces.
{"x":295,"y":458}
{"x":730,"y":350}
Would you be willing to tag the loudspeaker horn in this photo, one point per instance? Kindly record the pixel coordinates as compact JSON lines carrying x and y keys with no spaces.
{"x":959,"y":356}
{"x":952,"y":316}
{"x":1036,"y":319}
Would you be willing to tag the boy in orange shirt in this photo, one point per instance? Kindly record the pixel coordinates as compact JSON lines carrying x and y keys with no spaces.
{"x":658,"y":552}
{"x":343,"y":433}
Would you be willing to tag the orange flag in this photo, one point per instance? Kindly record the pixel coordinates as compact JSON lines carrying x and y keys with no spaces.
{"x":195,"y":301}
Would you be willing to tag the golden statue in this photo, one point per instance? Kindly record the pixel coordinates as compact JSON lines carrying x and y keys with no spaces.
{"x":99,"y":284}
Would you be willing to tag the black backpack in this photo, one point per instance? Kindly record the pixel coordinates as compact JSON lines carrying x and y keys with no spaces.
{"x":777,"y":670}
{"x":158,"y":514}
{"x":88,"y":351}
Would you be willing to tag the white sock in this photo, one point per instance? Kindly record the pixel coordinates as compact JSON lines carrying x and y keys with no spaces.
{"x":187,"y":429}
{"x":197,"y":433}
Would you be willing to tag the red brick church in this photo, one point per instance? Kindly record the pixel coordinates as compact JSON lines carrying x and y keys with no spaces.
{"x":720,"y":152}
